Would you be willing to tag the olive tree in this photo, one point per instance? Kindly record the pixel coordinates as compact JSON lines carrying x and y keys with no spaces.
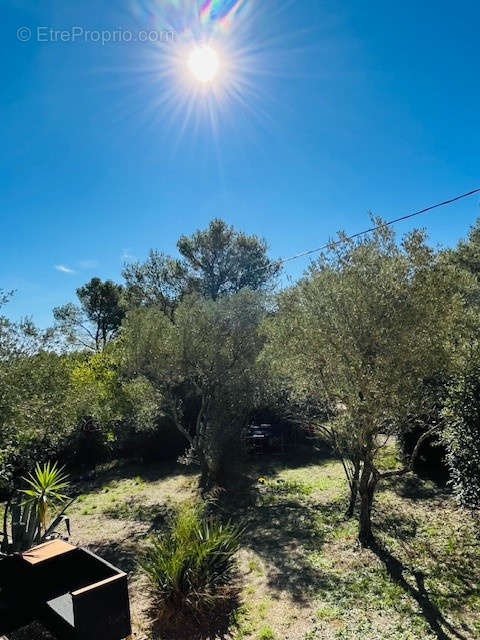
{"x":203,"y":365}
{"x":357,"y":336}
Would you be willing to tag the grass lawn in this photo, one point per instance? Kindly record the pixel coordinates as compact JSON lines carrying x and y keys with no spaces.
{"x":303,"y":576}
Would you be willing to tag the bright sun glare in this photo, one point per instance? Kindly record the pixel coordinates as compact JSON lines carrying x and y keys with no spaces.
{"x":203,"y":63}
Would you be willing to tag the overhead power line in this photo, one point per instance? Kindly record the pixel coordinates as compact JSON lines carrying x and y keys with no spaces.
{"x":335,"y":243}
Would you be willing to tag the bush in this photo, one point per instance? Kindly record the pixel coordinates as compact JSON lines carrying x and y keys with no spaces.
{"x":462,"y":437}
{"x":431,"y":460}
{"x":192,"y":564}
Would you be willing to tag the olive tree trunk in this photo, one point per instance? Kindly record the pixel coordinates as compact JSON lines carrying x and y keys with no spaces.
{"x":353,"y":482}
{"x":367,"y":486}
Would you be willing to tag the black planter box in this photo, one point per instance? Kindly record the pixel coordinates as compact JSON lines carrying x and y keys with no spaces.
{"x":71,"y":591}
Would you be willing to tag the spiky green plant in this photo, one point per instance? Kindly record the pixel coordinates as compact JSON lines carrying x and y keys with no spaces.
{"x":46,"y":485}
{"x":192,"y":562}
{"x":23,"y":531}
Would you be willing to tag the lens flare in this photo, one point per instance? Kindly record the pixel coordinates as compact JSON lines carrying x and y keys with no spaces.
{"x":220,"y":14}
{"x":203,"y":63}
{"x":223,"y":57}
{"x":200,"y":17}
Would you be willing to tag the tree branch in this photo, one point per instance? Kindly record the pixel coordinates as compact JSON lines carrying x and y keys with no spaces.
{"x":178,"y":422}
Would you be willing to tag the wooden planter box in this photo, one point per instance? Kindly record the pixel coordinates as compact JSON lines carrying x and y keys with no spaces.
{"x":71,"y":591}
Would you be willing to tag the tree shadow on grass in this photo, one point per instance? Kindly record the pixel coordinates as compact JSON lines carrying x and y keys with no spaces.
{"x":283,"y":527}
{"x":413,"y":487}
{"x":395,"y":524}
{"x":135,"y":508}
{"x":284,"y":530}
{"x":284,"y":535}
{"x":442,"y":629}
{"x":301,"y":458}
{"x":121,"y":555}
{"x":96,"y":480}
{"x":241,"y":478}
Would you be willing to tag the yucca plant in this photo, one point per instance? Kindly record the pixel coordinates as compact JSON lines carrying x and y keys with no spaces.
{"x":25,"y":520}
{"x":46,"y":485}
{"x":191,"y":564}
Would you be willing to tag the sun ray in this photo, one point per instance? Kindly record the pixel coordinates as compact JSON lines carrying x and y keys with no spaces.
{"x":179,"y":101}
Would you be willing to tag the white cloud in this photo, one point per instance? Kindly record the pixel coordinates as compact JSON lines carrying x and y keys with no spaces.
{"x":63,"y":269}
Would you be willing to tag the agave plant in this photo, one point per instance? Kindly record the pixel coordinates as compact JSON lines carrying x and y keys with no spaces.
{"x":46,"y":485}
{"x":21,"y":530}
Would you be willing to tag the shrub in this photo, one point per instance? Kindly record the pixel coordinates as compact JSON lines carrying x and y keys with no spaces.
{"x":462,"y":437}
{"x":192,"y":564}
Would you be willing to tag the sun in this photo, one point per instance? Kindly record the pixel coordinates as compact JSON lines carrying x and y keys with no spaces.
{"x":204,"y":64}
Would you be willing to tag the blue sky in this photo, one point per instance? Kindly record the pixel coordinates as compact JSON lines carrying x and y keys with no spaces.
{"x":344,"y":107}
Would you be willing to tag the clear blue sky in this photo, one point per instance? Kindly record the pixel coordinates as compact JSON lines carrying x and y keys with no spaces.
{"x":345,"y":107}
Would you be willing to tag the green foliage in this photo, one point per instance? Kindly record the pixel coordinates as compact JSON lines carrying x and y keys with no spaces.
{"x":37,"y":412}
{"x":214,"y":262}
{"x":266,"y":633}
{"x":191,"y":564}
{"x":461,"y":413}
{"x":96,"y":321}
{"x":158,"y":282}
{"x":203,"y":367}
{"x":358,"y":335}
{"x":24,"y":528}
{"x":29,"y":517}
{"x":45,"y":484}
{"x":467,"y":253}
{"x":432,"y":455}
{"x":75,"y":408}
{"x":368,"y":322}
{"x":462,"y":436}
{"x":96,"y":389}
{"x":220,"y":260}
{"x":143,"y":402}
